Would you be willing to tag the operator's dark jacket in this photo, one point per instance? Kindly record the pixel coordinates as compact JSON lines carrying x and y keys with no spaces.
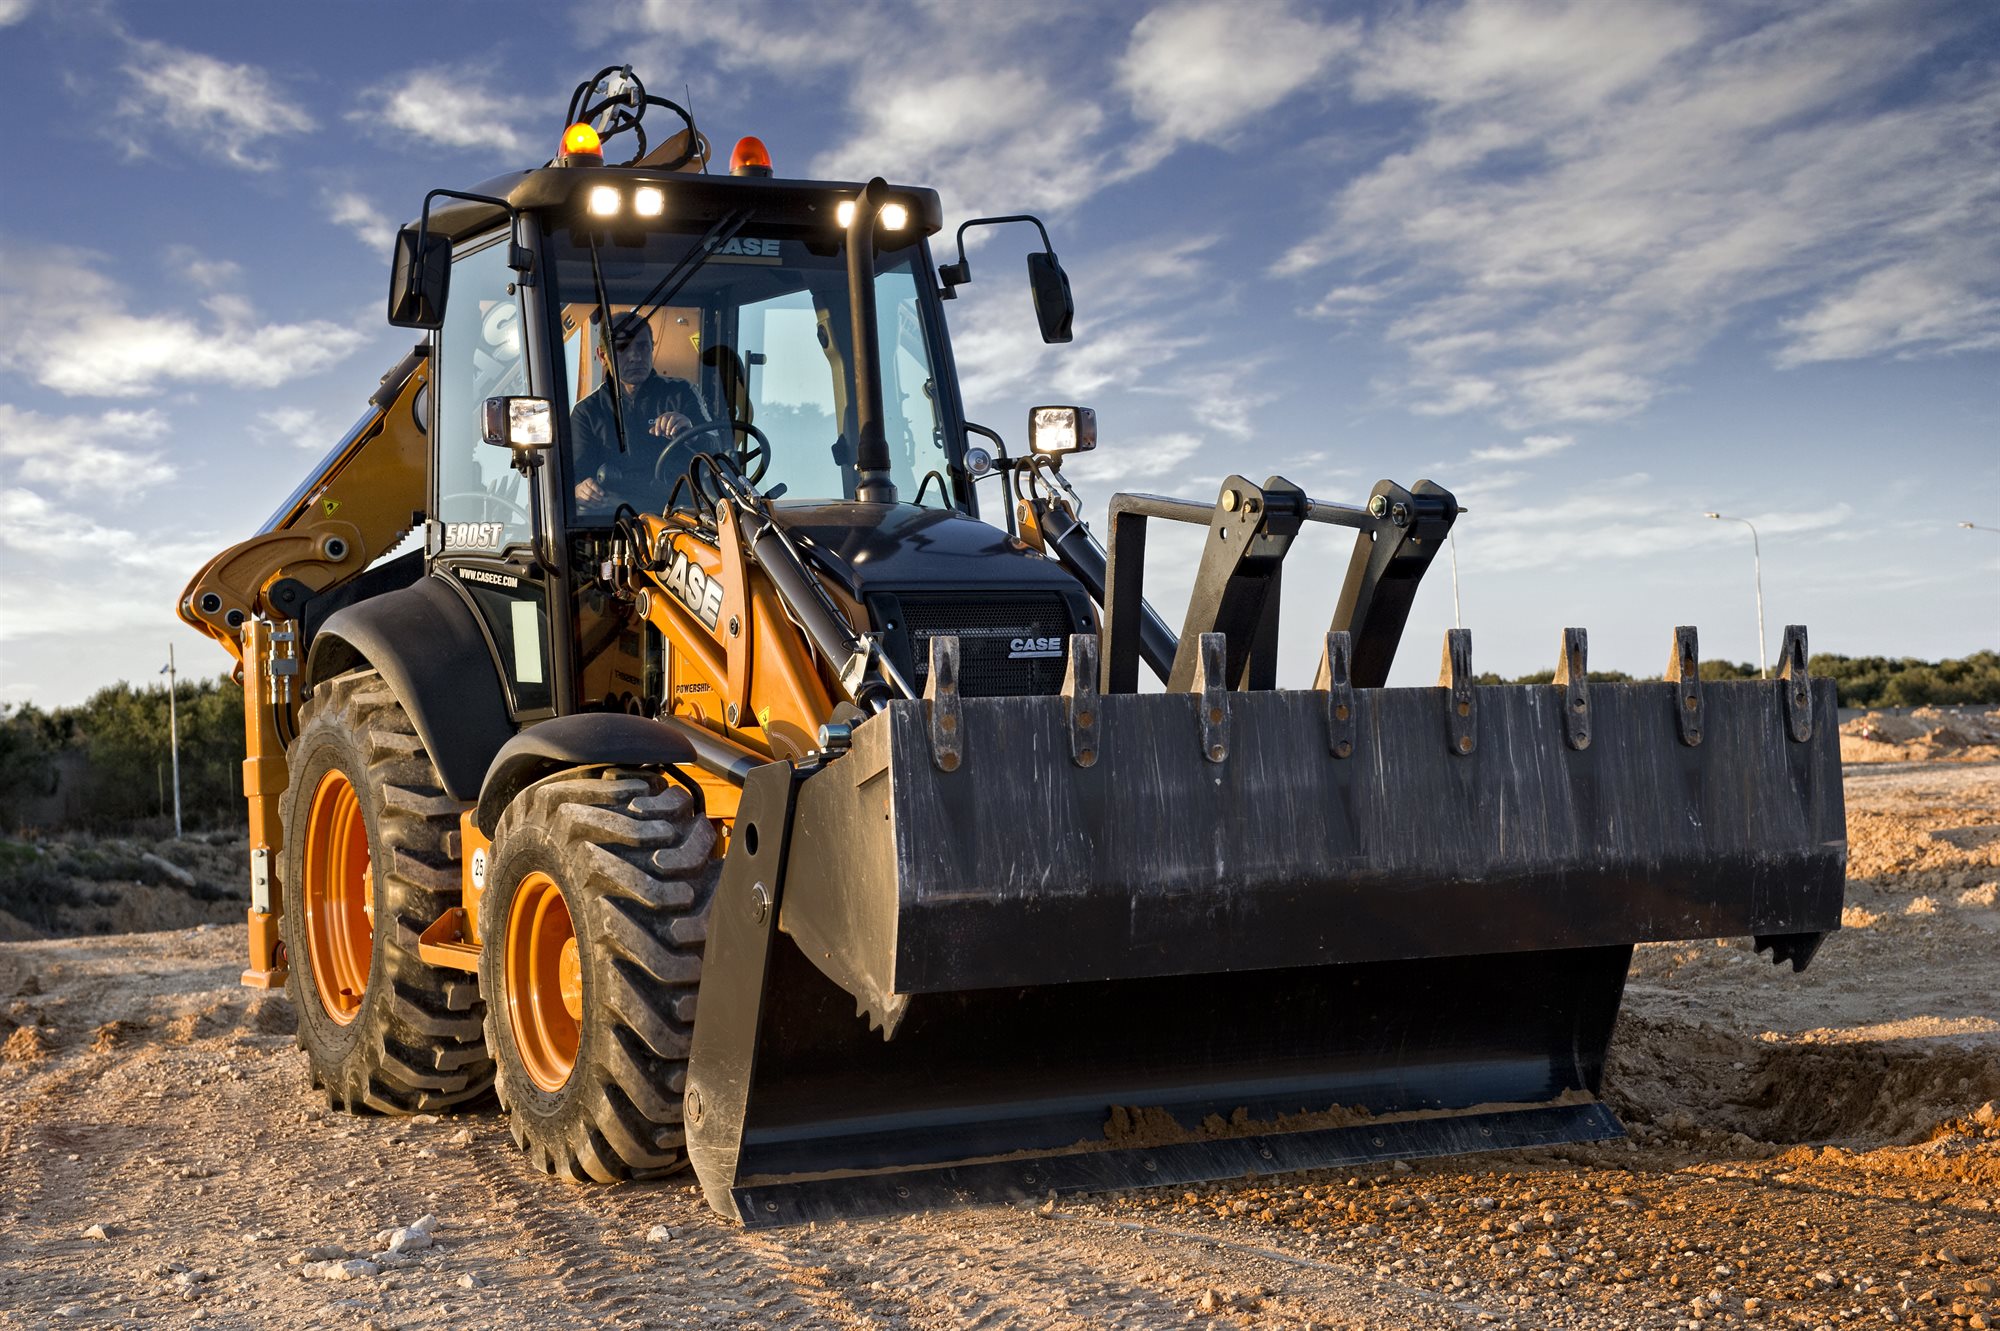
{"x":595,"y":436}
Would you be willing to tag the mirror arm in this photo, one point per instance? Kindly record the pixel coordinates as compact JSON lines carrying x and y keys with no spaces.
{"x":955,"y":275}
{"x":519,"y":257}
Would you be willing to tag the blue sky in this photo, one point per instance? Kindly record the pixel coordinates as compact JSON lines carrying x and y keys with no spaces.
{"x":1595,"y":267}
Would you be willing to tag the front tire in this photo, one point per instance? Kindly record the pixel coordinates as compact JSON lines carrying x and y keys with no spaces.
{"x":367,"y":866}
{"x":593,"y":924}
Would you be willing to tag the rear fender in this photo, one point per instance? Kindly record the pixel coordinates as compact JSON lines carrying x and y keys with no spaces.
{"x":431,"y":651}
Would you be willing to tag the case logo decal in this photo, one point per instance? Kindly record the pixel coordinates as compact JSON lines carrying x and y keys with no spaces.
{"x":696,"y":590}
{"x":1023,"y":648}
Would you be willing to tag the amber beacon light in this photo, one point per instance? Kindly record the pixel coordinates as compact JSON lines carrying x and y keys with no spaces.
{"x":582,"y":147}
{"x":750,"y":158}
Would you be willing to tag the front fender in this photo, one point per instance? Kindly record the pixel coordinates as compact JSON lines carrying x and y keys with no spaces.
{"x":429,"y":647}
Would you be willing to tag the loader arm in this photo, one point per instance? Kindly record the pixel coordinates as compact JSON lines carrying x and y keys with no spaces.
{"x":353,"y":508}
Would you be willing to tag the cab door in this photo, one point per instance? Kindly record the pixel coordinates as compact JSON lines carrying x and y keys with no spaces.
{"x":481,"y":537}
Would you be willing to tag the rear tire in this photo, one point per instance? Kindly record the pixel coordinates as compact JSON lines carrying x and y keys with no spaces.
{"x":593,"y":924}
{"x":367,"y":866}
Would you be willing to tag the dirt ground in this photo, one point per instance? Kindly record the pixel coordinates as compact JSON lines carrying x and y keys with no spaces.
{"x":1818,"y":1150}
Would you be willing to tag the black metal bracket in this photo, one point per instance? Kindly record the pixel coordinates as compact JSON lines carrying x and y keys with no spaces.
{"x":1250,"y":530}
{"x":1798,"y":685}
{"x":947,"y":712}
{"x":1798,"y":949}
{"x":1684,"y":674}
{"x":1080,"y":699}
{"x":1339,"y":694}
{"x":1124,"y":599}
{"x":742,"y":927}
{"x":1455,"y":677}
{"x":1389,"y":561}
{"x":1236,"y":587}
{"x":1211,"y":682}
{"x":1573,"y":678}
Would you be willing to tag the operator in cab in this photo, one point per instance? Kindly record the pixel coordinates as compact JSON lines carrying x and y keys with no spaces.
{"x":658,"y":411}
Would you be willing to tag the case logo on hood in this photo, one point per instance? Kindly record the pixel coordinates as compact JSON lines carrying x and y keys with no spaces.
{"x":1020,"y":649}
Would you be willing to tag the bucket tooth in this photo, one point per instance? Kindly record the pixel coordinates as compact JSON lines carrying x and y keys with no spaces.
{"x":1573,"y":678}
{"x":1455,"y":677}
{"x":947,"y":712}
{"x":1211,"y":683}
{"x":1338,"y":671}
{"x":1684,"y":675}
{"x":1080,"y":699}
{"x":1798,"y":685}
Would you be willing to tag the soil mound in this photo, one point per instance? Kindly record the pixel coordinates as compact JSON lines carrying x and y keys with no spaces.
{"x":1927,"y":734}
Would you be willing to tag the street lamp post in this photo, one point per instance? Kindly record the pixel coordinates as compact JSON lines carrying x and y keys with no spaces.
{"x":174,"y":733}
{"x":1757,"y":564}
{"x":1451,"y":541}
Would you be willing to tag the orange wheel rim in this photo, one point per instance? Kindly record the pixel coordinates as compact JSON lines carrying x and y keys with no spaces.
{"x":544,"y":981}
{"x":338,"y":897}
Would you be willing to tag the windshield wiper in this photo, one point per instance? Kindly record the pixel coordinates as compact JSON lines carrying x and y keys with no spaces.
{"x":664,"y":290}
{"x":688,"y":264}
{"x":607,"y":347}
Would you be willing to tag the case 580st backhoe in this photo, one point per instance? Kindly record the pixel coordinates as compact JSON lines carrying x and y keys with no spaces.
{"x":716,"y":787}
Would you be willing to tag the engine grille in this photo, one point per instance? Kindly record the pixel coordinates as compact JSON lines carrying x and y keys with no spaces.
{"x":993,"y":661}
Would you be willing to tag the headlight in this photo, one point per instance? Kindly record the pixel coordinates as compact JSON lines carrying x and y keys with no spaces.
{"x":604,"y":201}
{"x":648,"y":201}
{"x":1054,"y":431}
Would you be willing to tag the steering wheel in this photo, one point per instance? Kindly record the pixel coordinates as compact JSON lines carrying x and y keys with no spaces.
{"x":754,"y":463}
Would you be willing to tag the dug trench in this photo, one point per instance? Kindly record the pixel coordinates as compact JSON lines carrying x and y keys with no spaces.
{"x":1805,"y":1150}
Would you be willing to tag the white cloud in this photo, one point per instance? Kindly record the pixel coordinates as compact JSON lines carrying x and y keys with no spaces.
{"x":66,"y":326}
{"x":1000,"y":107}
{"x":1632,"y":517}
{"x":1900,"y":307}
{"x":1530,"y":448}
{"x":1592,"y":194}
{"x":1199,"y":71}
{"x":986,"y":139}
{"x":359,"y":215}
{"x":219,"y":108}
{"x":13,"y":11}
{"x":301,"y":427}
{"x":82,"y":455}
{"x":70,"y":573}
{"x":448,"y":107}
{"x":1152,"y":461}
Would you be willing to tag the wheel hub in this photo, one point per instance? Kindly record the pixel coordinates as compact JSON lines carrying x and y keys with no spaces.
{"x":543,"y":970}
{"x":338,"y":897}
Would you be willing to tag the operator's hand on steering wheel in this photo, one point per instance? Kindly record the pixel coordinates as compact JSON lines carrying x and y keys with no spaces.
{"x":588,"y":491}
{"x":668,"y":424}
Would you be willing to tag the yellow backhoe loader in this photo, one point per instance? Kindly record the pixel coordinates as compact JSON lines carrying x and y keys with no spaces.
{"x":711,"y":783}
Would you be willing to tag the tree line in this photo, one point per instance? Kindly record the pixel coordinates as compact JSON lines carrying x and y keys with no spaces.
{"x":1862,"y":681}
{"x":105,"y":763}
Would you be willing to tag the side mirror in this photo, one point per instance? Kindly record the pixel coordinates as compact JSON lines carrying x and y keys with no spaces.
{"x":418,"y":282}
{"x":1054,"y":307}
{"x":525,"y":424}
{"x":1054,"y":431}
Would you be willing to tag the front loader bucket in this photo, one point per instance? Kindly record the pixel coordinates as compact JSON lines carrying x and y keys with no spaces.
{"x":1009,"y":946}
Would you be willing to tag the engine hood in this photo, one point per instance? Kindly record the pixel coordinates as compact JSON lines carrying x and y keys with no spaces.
{"x":869,"y":548}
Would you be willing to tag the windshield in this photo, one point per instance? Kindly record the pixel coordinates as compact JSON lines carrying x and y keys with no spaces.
{"x":755,"y":338}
